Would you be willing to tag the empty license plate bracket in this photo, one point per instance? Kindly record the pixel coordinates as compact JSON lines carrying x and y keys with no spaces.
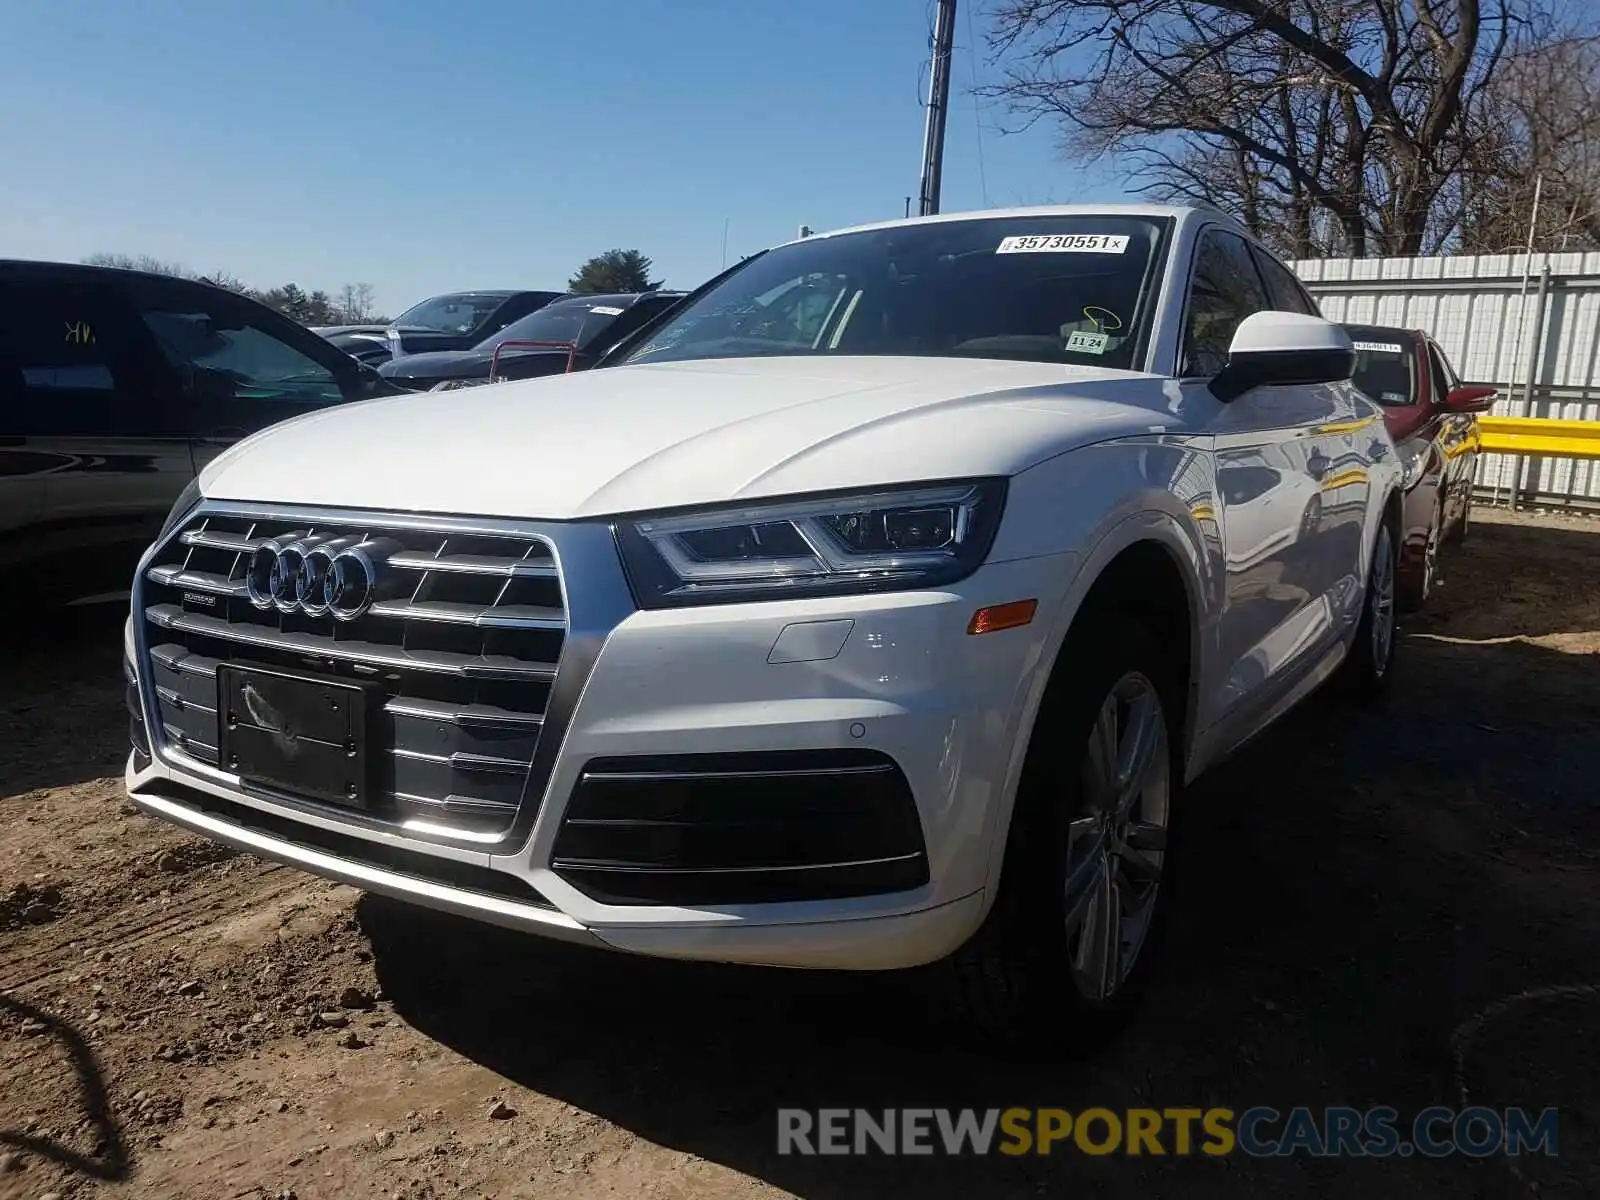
{"x":299,"y":734}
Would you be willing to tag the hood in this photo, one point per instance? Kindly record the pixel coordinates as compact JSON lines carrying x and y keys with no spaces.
{"x":438,"y":364}
{"x":344,"y":330}
{"x":629,"y":439}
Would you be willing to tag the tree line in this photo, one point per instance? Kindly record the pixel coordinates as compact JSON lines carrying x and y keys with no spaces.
{"x":1330,"y":127}
{"x":353,"y":304}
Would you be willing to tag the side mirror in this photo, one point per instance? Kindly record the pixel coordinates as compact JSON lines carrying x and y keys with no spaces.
{"x":206,"y":385}
{"x":1474,"y":398}
{"x":369,"y":380}
{"x":1276,"y":348}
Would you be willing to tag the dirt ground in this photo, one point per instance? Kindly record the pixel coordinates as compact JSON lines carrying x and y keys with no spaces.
{"x":1388,"y":907}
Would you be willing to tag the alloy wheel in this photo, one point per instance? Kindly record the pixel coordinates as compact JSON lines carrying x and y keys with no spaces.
{"x":1380,"y":601}
{"x":1116,"y":848}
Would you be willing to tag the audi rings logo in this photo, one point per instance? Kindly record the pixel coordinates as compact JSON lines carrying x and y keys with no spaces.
{"x":318,"y":576}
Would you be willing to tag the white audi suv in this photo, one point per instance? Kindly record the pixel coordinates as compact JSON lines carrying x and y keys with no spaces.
{"x":870,"y":608}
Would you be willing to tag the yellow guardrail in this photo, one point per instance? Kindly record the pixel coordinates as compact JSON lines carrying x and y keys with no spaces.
{"x":1540,"y":435}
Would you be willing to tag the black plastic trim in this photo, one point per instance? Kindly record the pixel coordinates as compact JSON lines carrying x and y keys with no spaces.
{"x":760,"y":827}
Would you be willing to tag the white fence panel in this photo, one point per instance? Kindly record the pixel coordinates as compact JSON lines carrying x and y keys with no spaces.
{"x":1529,"y":325}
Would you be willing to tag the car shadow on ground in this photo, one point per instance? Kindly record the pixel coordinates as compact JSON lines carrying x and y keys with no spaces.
{"x":61,"y":706}
{"x":1358,"y":887}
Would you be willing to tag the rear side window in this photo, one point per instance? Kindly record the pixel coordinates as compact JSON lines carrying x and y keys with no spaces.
{"x":69,"y":363}
{"x":1288,"y":293}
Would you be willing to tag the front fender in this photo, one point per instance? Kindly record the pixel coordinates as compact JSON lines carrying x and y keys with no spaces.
{"x":1088,"y":507}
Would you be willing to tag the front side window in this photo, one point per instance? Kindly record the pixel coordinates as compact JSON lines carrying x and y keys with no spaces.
{"x":1386,"y":364}
{"x":1443,"y":377}
{"x":1054,"y":289}
{"x":1224,"y":291}
{"x":240,"y":359}
{"x":460,"y":313}
{"x":1288,"y":293}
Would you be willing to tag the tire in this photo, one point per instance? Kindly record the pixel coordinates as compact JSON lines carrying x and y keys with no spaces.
{"x":1030,"y":979}
{"x":1414,"y":598}
{"x":1458,"y":531}
{"x":1369,"y":665}
{"x":1311,"y":518}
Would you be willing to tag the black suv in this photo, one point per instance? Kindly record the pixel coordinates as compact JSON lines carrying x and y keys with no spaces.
{"x":116,"y":387}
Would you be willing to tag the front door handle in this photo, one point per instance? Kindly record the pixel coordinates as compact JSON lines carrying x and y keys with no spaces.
{"x":1317,"y":465}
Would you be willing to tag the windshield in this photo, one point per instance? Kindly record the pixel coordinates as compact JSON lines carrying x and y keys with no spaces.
{"x":1037,"y":289}
{"x":580,"y":321}
{"x":1385,"y":364}
{"x":460,"y":313}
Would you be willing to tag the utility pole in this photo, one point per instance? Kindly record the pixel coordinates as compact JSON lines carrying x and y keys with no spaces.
{"x":944,"y":36}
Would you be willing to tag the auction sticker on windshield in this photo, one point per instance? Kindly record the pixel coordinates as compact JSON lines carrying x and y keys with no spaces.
{"x":1064,"y":243}
{"x":1380,"y":347}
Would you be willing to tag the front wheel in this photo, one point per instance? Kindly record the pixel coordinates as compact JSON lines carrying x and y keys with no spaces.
{"x":1369,"y":664}
{"x":1067,"y":948}
{"x":1458,"y":532}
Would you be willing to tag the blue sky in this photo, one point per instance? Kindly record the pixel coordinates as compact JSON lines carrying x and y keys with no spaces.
{"x":427,"y":147}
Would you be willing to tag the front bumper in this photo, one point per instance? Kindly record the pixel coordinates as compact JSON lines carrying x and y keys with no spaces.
{"x":889,"y":678}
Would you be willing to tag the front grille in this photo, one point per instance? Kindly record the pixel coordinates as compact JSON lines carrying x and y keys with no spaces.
{"x":462,"y":643}
{"x":741,"y":828}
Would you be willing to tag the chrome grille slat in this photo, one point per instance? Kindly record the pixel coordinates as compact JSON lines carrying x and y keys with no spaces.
{"x":211,"y":540}
{"x":180,"y":659}
{"x":197,"y":581}
{"x":182,"y":702}
{"x":463,"y":803}
{"x":465,"y":762}
{"x":474,"y":564}
{"x":467,"y":715}
{"x":461,"y":644}
{"x":504,"y":616}
{"x":439,"y":662}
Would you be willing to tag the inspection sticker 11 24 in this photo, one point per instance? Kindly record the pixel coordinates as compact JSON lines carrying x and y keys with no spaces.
{"x":1064,"y":243}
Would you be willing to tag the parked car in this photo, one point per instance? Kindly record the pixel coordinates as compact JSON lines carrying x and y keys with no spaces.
{"x":115,"y":388}
{"x":453,"y":322}
{"x":1432,"y":417}
{"x":588,"y":325}
{"x":872,"y":607}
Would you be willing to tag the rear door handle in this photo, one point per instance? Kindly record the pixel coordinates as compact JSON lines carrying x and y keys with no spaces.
{"x":1317,"y":465}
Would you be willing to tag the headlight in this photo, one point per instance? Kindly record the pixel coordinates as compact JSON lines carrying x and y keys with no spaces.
{"x":1413,"y":462}
{"x":864,"y":542}
{"x":187,"y":499}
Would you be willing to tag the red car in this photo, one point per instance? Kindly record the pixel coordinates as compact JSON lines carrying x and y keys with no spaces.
{"x":1432,"y":418}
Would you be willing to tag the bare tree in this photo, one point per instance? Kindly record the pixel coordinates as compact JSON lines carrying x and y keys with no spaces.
{"x":357,"y":303}
{"x":139,"y":262}
{"x":1544,"y":125}
{"x":1328,"y":125}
